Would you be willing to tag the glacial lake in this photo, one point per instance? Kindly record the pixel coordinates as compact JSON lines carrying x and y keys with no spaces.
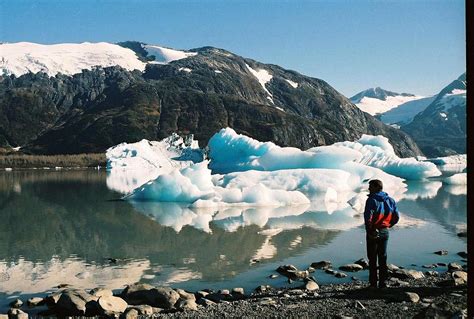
{"x":68,"y":227}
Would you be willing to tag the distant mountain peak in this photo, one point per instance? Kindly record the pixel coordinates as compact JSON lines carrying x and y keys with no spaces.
{"x":377,"y":93}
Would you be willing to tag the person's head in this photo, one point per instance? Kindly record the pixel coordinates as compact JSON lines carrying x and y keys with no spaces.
{"x":375,"y":186}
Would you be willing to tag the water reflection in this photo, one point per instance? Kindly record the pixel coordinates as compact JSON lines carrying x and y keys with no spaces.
{"x":58,"y":216}
{"x":61,"y":227}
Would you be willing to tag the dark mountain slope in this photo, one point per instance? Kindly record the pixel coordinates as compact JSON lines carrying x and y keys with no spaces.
{"x":96,"y":109}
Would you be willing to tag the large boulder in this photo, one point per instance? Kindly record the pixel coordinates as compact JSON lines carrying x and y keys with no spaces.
{"x":407,"y":274}
{"x":74,"y":302}
{"x":111,"y":304}
{"x":138,"y":294}
{"x":351,"y":267}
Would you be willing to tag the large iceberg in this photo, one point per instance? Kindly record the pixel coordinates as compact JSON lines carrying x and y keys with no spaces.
{"x":230,"y":152}
{"x":131,"y":165}
{"x":246,"y":181}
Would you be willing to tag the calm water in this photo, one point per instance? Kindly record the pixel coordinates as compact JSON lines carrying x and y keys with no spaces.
{"x":62,"y":226}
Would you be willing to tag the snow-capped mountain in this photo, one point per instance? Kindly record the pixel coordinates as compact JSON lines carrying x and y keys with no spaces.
{"x":74,"y":98}
{"x":440,"y":129}
{"x":72,"y":58}
{"x":404,"y":113}
{"x":377,"y":100}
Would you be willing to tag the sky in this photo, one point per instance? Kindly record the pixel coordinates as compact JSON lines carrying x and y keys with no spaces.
{"x":411,"y":46}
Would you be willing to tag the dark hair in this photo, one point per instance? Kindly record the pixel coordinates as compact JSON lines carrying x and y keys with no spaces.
{"x":376,"y":184}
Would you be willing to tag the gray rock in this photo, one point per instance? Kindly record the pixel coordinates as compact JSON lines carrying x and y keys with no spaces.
{"x":101,"y":292}
{"x":441,"y":264}
{"x":430,"y":266}
{"x":351,"y":267}
{"x":397,"y":282}
{"x":323,"y":264}
{"x":273,"y":276}
{"x":205,"y":302}
{"x":187,"y":305}
{"x":311,"y":286}
{"x":52,"y":299}
{"x":15,"y":313}
{"x":184,"y":295}
{"x":111,"y":304}
{"x":224,"y":292}
{"x":408,"y":274}
{"x":461,"y":275}
{"x":17,"y":303}
{"x":392,"y":267}
{"x":35,"y":301}
{"x":131,"y":313}
{"x":454,"y":267}
{"x":144,"y":310}
{"x":201,"y":294}
{"x":296,"y":292}
{"x":431,"y":273}
{"x":441,"y":252}
{"x":311,"y":269}
{"x":340,"y":275}
{"x":73,"y":302}
{"x":138,"y":294}
{"x":330,"y":271}
{"x":363,"y":262}
{"x":262,"y":288}
{"x":405,"y":296}
{"x":238,"y":291}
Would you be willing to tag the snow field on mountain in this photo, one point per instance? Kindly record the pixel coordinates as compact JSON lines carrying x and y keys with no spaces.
{"x":375,"y":106}
{"x":404,"y":113}
{"x":165,"y":55}
{"x":71,"y":58}
{"x":66,"y":58}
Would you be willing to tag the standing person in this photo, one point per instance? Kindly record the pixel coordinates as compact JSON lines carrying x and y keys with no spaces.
{"x":380,"y":214}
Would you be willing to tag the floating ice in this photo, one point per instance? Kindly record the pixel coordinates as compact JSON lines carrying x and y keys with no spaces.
{"x":457,"y":179}
{"x":230,"y":151}
{"x":131,"y":165}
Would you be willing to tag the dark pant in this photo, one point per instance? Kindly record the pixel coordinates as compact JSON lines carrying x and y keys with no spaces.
{"x":377,"y":249}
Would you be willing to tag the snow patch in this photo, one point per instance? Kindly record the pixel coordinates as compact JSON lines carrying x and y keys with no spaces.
{"x":165,"y":55}
{"x":293,"y":84}
{"x":218,"y":71}
{"x":263,"y":77}
{"x":185,"y":70}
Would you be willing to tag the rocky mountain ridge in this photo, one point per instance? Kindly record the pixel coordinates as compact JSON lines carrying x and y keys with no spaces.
{"x":440,"y":130}
{"x":200,"y":94}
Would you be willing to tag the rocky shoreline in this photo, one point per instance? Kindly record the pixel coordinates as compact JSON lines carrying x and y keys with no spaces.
{"x":410,"y":294}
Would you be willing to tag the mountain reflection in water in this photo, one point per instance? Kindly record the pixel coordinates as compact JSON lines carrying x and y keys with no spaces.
{"x":62,"y":226}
